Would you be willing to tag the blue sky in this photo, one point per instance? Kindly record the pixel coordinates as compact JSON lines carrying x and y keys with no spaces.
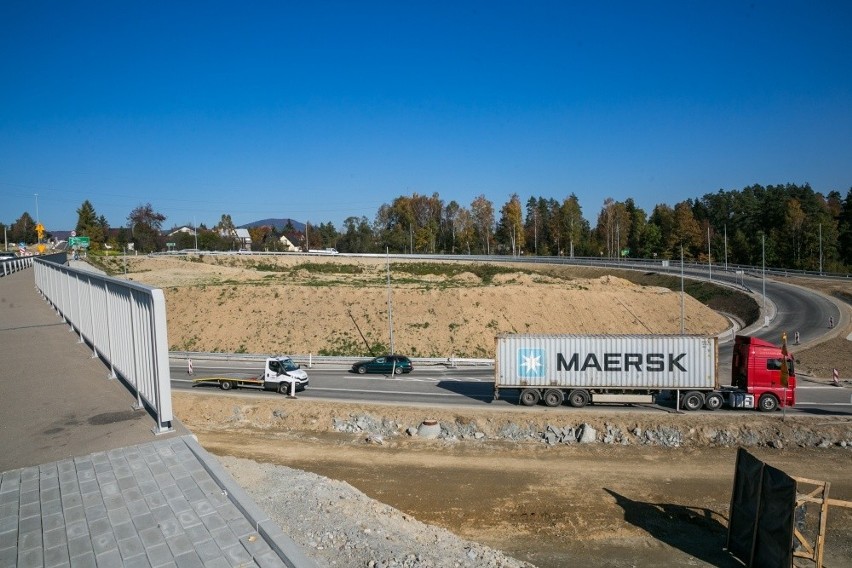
{"x":323,"y":110}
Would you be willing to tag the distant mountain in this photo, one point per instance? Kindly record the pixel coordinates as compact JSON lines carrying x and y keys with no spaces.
{"x":279,"y":224}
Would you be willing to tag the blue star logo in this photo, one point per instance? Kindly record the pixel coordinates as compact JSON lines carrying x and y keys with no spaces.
{"x":531,"y":363}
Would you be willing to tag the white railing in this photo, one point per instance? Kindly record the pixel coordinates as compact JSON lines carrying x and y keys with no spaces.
{"x":8,"y":266}
{"x":124,"y":323}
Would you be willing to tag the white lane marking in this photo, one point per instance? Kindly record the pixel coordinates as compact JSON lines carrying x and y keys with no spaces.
{"x":823,"y":403}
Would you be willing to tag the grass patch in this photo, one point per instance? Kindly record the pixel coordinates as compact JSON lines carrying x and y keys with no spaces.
{"x":486,"y":272}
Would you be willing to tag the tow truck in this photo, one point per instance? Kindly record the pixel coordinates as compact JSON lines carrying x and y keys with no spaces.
{"x":280,"y":374}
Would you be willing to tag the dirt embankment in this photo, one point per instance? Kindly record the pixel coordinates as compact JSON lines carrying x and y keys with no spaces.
{"x":337,"y":307}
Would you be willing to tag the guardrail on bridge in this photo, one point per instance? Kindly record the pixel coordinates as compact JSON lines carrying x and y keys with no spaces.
{"x":124,"y":322}
{"x":8,"y":266}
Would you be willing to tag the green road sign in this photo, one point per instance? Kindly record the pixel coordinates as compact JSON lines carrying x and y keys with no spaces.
{"x":80,"y":242}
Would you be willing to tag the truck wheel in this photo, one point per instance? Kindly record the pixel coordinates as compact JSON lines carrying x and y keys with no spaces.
{"x":362,"y":370}
{"x":714,"y":401}
{"x":693,"y":400}
{"x":578,"y":398}
{"x":226,"y":385}
{"x":530,"y":397}
{"x":553,"y":397}
{"x":283,"y":388}
{"x":768,"y":403}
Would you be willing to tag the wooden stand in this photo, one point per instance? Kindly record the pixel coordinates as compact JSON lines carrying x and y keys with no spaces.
{"x":819,"y":495}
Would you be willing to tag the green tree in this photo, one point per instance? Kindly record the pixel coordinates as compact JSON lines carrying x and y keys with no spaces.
{"x":90,"y":225}
{"x":145,"y":225}
{"x":357,"y":236}
{"x":23,"y":230}
{"x":844,"y":229}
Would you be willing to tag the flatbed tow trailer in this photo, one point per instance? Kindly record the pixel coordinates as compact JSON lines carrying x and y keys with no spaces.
{"x":281,"y":374}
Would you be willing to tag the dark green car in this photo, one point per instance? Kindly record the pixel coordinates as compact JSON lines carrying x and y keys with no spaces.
{"x":386,"y":364}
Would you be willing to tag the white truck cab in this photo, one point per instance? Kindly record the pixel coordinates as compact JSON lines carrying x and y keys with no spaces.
{"x":284,"y":370}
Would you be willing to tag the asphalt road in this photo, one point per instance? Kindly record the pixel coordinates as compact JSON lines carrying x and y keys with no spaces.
{"x":789,"y":309}
{"x":447,"y":387}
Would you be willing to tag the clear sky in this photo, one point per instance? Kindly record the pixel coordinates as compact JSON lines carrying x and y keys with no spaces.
{"x":323,"y":110}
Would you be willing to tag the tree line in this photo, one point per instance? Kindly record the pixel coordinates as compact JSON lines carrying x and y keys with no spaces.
{"x":788,"y":226}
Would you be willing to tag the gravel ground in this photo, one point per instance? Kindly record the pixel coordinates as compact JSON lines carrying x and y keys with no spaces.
{"x":337,"y":525}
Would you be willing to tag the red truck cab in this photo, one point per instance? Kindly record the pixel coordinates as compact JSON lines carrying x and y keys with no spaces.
{"x":756,"y":369}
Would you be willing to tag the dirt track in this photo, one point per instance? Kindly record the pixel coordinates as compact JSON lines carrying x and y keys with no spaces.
{"x":589,"y":505}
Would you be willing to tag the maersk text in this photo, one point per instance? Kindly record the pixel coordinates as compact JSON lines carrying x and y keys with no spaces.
{"x":617,"y":362}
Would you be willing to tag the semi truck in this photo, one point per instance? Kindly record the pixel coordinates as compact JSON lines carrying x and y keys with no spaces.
{"x":585,"y":369}
{"x":280,"y":374}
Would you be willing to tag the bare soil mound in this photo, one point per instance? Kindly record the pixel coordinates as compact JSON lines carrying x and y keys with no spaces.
{"x":336,"y":307}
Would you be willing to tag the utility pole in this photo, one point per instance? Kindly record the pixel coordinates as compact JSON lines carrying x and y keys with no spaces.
{"x":763,"y":256}
{"x":681,"y":290}
{"x":390,"y":305}
{"x":820,"y":249}
{"x":709,"y":263}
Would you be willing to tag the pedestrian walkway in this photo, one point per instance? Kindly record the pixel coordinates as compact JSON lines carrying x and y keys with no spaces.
{"x":86,"y":482}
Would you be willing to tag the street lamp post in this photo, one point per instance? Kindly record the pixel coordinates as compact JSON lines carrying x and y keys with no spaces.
{"x":681,"y":289}
{"x":763,"y":275}
{"x":390,"y":305}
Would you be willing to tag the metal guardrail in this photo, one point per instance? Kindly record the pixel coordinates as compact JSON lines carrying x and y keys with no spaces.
{"x":10,"y":265}
{"x":312,"y":360}
{"x":124,"y":322}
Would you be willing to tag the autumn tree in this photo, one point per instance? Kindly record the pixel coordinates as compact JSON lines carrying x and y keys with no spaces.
{"x":482,"y":213}
{"x":510,"y":229}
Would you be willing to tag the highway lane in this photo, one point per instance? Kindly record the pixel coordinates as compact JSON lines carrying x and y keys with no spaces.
{"x":795,"y":309}
{"x":440,"y":386}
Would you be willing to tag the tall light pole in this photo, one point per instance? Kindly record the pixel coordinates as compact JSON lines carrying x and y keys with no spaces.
{"x":726,"y":247}
{"x":37,"y":217}
{"x":681,"y":289}
{"x":390,"y":306}
{"x":820,"y":249}
{"x":195,"y":231}
{"x":763,"y":261}
{"x":709,"y":260}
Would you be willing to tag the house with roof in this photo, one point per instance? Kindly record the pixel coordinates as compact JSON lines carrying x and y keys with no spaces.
{"x":240,"y":236}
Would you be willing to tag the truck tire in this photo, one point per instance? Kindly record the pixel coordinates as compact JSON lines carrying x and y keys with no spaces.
{"x":693,"y":400}
{"x":714,"y":401}
{"x":767,"y":403}
{"x":226,"y":385}
{"x":578,"y":398}
{"x":529,"y":397}
{"x":283,"y":388}
{"x":553,"y":397}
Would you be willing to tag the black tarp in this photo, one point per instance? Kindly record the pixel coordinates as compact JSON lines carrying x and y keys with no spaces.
{"x":745,"y":499}
{"x":763,"y":502}
{"x":773,"y":545}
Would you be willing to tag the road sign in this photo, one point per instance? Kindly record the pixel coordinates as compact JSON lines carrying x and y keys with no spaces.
{"x":81,"y":242}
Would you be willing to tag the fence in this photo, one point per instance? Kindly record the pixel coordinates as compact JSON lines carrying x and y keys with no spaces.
{"x":8,"y":266}
{"x":123,"y":322}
